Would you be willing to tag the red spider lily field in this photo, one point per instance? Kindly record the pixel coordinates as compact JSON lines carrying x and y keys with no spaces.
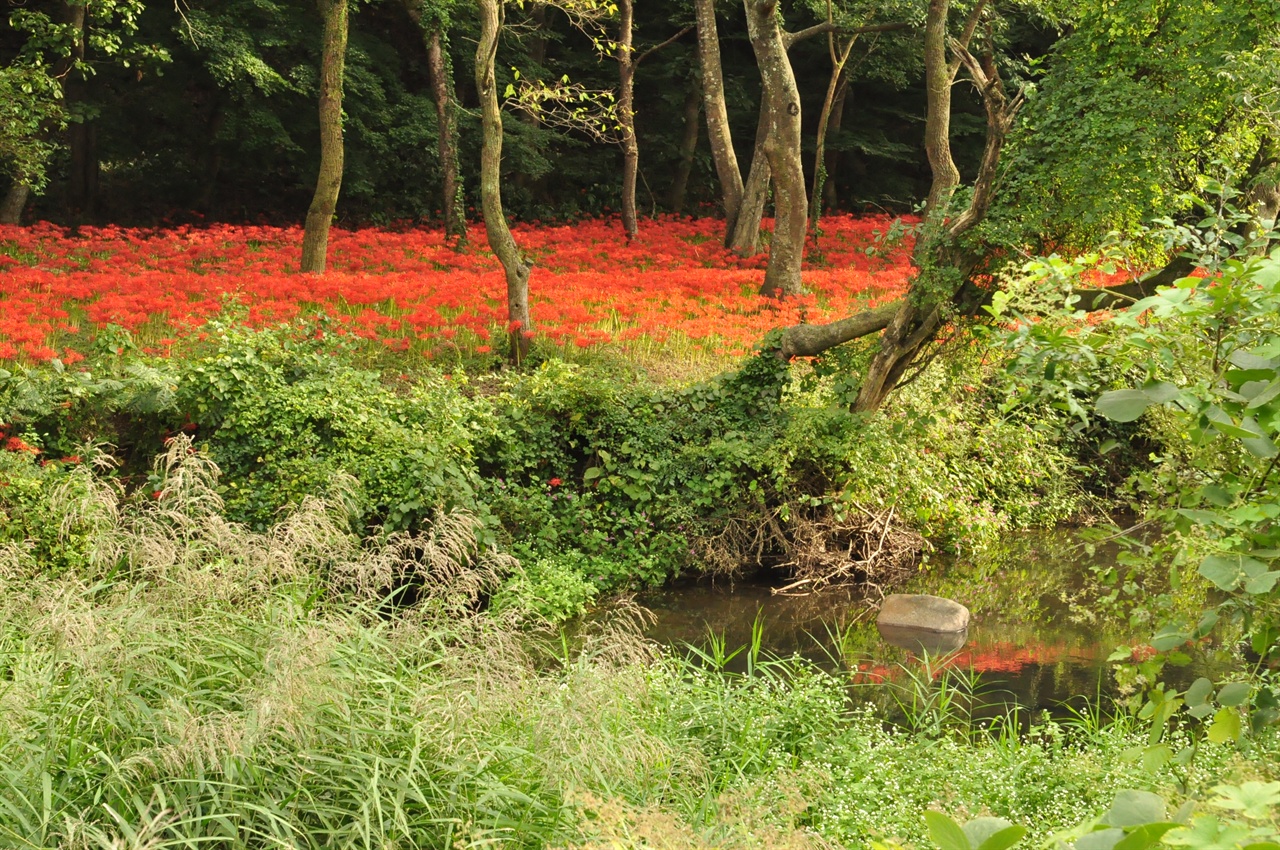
{"x":673,"y":286}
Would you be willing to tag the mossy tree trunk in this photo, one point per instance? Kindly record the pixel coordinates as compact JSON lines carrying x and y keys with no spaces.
{"x":744,"y":236}
{"x":627,"y":118}
{"x":15,"y":201}
{"x":688,"y":148}
{"x":781,"y":99}
{"x":440,"y":79}
{"x":333,"y":54}
{"x":514,"y":264}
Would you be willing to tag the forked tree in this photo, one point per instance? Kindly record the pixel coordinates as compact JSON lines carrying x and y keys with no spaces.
{"x":945,"y":262}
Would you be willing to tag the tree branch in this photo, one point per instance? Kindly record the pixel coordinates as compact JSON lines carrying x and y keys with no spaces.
{"x":970,"y":25}
{"x":640,"y":58}
{"x":790,"y":38}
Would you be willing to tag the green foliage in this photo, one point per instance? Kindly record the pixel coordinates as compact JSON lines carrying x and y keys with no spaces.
{"x":1138,"y":820}
{"x":282,"y":416}
{"x":30,"y":109}
{"x":1134,"y":107}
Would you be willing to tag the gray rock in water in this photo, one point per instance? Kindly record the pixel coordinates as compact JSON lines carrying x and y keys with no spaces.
{"x":927,"y":613}
{"x":924,"y":641}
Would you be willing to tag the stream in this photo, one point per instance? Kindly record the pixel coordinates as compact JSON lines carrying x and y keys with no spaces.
{"x":1032,"y":642}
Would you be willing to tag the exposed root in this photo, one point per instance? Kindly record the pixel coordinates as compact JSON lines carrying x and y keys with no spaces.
{"x":866,"y":548}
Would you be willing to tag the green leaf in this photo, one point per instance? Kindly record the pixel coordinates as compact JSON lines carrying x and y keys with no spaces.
{"x":1234,"y":693}
{"x":1226,"y":726}
{"x":1156,"y":757}
{"x":945,"y":832}
{"x":1199,"y":691}
{"x":1167,"y":638}
{"x":1248,"y":360}
{"x":1253,"y":799}
{"x":1145,"y":836}
{"x":592,"y":473}
{"x":1123,"y":405}
{"x":1161,"y":393}
{"x":1101,"y":839}
{"x":1201,"y":517}
{"x":993,"y":833}
{"x":1265,"y":395}
{"x":1225,"y":571}
{"x":1133,"y":808}
{"x":1262,"y":583}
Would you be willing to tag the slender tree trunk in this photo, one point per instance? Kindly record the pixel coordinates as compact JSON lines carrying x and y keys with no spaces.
{"x":835,"y":87}
{"x":627,"y":119}
{"x":504,"y":246}
{"x":917,"y":320}
{"x":722,"y":153}
{"x":15,"y":201}
{"x":440,"y":78}
{"x":315,"y":238}
{"x":832,"y":157}
{"x":82,"y":179}
{"x":688,"y":148}
{"x":455,"y":220}
{"x":782,"y":148}
{"x":744,"y":237}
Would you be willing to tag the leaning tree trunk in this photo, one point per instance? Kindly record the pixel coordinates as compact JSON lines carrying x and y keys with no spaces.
{"x":688,"y":149}
{"x":15,"y":201}
{"x":744,"y":236}
{"x":627,"y":119}
{"x":315,"y":237}
{"x":782,"y":148}
{"x":517,"y":269}
{"x":722,"y":153}
{"x":945,"y":264}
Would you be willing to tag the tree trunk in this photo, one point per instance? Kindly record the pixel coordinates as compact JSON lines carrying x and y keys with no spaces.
{"x":782,"y":148}
{"x":504,"y":246}
{"x":15,"y":201}
{"x":744,"y":236}
{"x":831,"y":162}
{"x":82,"y":179}
{"x":627,"y":119}
{"x":315,"y":237}
{"x":722,"y":153}
{"x":835,"y":92}
{"x":455,"y":220}
{"x":688,"y":148}
{"x":945,"y":264}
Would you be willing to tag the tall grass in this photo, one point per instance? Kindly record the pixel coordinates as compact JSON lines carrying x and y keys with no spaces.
{"x":199,"y":685}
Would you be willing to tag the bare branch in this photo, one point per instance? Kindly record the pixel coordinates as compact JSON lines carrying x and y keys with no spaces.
{"x":641,"y":57}
{"x":791,"y":38}
{"x":970,"y":24}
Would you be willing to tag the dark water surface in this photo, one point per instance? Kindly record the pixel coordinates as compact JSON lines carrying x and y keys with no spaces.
{"x":1032,"y":642}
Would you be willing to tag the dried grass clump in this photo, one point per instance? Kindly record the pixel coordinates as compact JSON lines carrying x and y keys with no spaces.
{"x":756,"y":817}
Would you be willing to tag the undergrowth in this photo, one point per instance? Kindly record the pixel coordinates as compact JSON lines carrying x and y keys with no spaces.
{"x":191,"y":681}
{"x":596,"y":478}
